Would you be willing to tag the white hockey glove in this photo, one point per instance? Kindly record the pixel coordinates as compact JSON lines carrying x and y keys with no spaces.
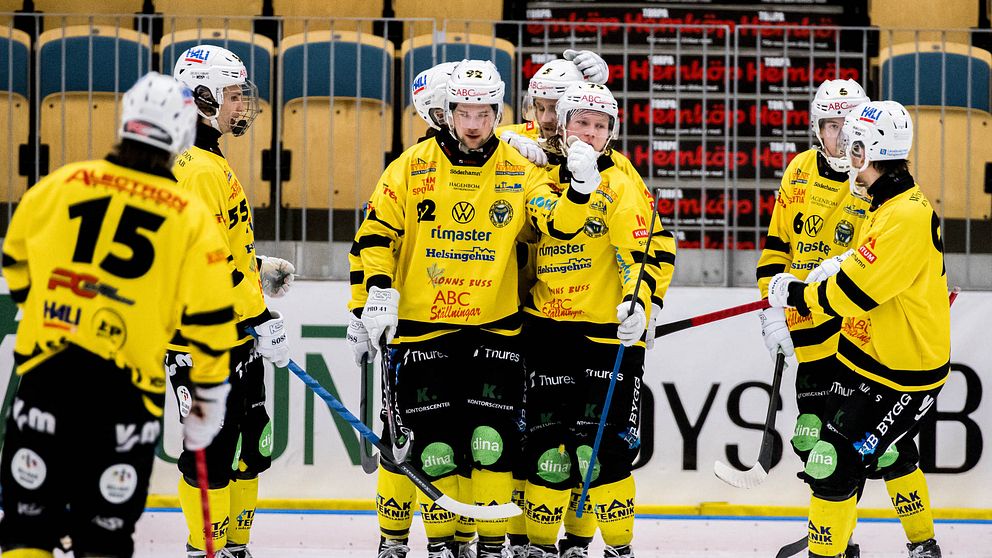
{"x":271,"y":340}
{"x":276,"y":274}
{"x":827,"y":268}
{"x":206,"y":416}
{"x":381,"y":314}
{"x":775,"y":330}
{"x":631,"y":326}
{"x":652,"y":324}
{"x":778,"y":289}
{"x":592,"y":65}
{"x":526,"y":146}
{"x":582,"y":163}
{"x":358,"y":340}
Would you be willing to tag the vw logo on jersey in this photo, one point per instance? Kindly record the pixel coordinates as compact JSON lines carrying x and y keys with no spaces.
{"x":500,"y":213}
{"x":463,"y":212}
{"x":814,"y":223}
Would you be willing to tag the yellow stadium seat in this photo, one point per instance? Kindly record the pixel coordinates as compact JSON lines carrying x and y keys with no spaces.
{"x":245,"y":152}
{"x":80,"y":95}
{"x":318,"y":15}
{"x":418,"y":53}
{"x":942,"y":150}
{"x":216,"y":14}
{"x":457,"y":12}
{"x":62,"y":13}
{"x":337,"y":123}
{"x":13,"y":109}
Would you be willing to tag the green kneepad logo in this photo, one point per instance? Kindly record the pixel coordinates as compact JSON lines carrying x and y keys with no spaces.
{"x":554,"y":465}
{"x":889,"y":457}
{"x":487,"y":445}
{"x":807,"y":432}
{"x":265,"y":441}
{"x":822,"y":461}
{"x":438,"y":459}
{"x":584,"y":453}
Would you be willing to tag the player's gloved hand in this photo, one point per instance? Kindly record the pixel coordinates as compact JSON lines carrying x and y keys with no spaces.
{"x":775,"y":330}
{"x":381,"y":314}
{"x":526,"y":146}
{"x":271,"y":341}
{"x":276,"y":274}
{"x":206,"y":416}
{"x":652,"y":324}
{"x":592,"y":65}
{"x":358,"y":340}
{"x":632,"y":325}
{"x":582,"y":163}
{"x":778,"y":289}
{"x":827,"y":268}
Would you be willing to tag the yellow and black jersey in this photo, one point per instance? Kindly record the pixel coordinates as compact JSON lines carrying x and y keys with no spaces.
{"x":210,"y":177}
{"x":527,"y":129}
{"x":111,"y":259}
{"x":815,"y":217}
{"x":891,"y":293}
{"x":442,"y":228}
{"x":581,"y":279}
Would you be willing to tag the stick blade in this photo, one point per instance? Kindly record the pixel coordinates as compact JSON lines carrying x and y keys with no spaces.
{"x":502,"y":511}
{"x":741,"y":479}
{"x":792,"y":549}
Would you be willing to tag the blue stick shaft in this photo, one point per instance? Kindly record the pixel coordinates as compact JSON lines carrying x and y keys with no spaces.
{"x":333,"y":403}
{"x":599,"y":433}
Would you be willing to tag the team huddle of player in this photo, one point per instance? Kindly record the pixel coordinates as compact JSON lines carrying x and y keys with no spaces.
{"x":512,"y":276}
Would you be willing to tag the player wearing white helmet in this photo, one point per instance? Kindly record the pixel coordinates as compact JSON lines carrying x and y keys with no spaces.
{"x":893,"y":351}
{"x":458,"y":201}
{"x":104,"y":258}
{"x":814,"y":226}
{"x":226,"y":101}
{"x":429,"y":92}
{"x":592,"y":319}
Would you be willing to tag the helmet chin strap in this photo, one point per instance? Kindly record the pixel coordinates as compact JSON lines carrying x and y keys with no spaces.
{"x":856,"y":190}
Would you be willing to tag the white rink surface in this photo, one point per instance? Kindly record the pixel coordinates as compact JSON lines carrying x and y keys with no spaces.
{"x":309,"y":534}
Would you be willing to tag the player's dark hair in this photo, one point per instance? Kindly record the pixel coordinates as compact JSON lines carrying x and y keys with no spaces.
{"x":142,"y":157}
{"x":887,"y":167}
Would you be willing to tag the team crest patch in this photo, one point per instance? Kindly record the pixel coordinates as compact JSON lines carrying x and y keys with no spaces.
{"x":595,"y":227}
{"x":844,"y":233}
{"x":500,"y":213}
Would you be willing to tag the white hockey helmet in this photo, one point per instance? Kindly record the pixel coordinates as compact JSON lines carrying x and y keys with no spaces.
{"x":159,"y":111}
{"x":208,"y":70}
{"x":474,"y":82}
{"x":553,"y":78}
{"x":876,"y":131}
{"x":587,"y":96}
{"x":835,"y":98}
{"x":429,"y":92}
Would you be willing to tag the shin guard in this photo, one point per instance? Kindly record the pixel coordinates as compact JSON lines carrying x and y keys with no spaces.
{"x":465,"y":528}
{"x":614,"y":506}
{"x":220,"y":505}
{"x":489,"y":487}
{"x":830,"y":525}
{"x":394,"y":500}
{"x":911,"y":500}
{"x":517,"y":525}
{"x":439,"y":523}
{"x":244,"y":498}
{"x":544,"y":511}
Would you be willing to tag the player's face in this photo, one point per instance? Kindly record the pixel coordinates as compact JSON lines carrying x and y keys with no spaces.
{"x":591,"y":127}
{"x":474,"y":124}
{"x":544,"y":114}
{"x":829,"y":130}
{"x":232,"y":109}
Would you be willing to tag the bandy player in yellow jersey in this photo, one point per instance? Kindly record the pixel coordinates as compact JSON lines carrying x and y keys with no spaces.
{"x":581,"y":301}
{"x":438,"y":254}
{"x":894,"y":348}
{"x":106,"y":258}
{"x":817,"y":219}
{"x":227,"y":104}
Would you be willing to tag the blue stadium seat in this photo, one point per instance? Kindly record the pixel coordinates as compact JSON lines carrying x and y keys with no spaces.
{"x":934,"y":63}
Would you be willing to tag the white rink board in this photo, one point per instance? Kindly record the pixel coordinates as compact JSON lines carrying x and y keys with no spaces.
{"x":684,"y":368}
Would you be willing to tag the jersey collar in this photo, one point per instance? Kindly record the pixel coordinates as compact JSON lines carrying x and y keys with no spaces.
{"x":888,"y":187}
{"x":208,"y":139}
{"x":828,"y":172}
{"x":475,"y":158}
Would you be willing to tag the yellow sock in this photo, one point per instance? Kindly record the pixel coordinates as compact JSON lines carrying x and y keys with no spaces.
{"x":830,"y":525}
{"x":465,"y":529}
{"x":614,"y":505}
{"x":439,"y":523}
{"x":517,"y":525}
{"x":244,"y":498}
{"x":544,"y":511}
{"x":219,"y":500}
{"x":395,"y":497}
{"x":489,"y":487}
{"x":911,"y":500}
{"x":582,"y":527}
{"x":27,"y":553}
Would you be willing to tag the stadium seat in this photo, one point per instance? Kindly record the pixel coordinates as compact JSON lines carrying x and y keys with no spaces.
{"x":14,"y":60}
{"x":245,"y":152}
{"x":217,"y":14}
{"x":80,"y":93}
{"x":931,"y":64}
{"x":62,"y":13}
{"x":316,"y":15}
{"x":420,"y":53}
{"x":943,"y":147}
{"x":337,"y":116}
{"x":456,"y":12}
